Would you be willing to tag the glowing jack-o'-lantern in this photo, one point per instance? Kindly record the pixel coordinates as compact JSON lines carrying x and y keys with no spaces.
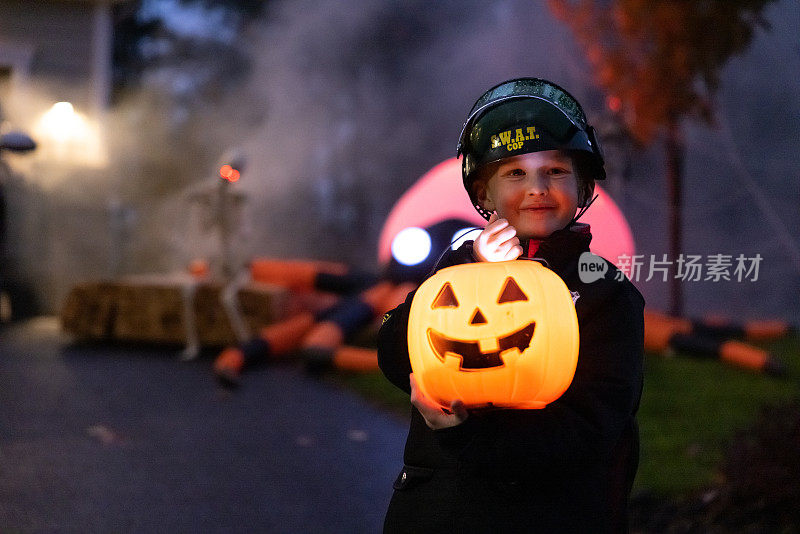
{"x":493,"y":334}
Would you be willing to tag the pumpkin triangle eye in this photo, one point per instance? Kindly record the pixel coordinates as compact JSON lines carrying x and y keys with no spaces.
{"x":446,"y":298}
{"x":511,"y":292}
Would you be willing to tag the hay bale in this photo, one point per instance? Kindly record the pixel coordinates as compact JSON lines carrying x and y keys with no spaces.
{"x":154,"y":309}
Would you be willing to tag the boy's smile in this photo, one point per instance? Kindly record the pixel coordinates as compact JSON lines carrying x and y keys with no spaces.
{"x":536,"y":192}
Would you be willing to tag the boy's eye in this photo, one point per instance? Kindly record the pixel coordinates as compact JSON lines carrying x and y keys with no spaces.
{"x":558,"y":171}
{"x":516,"y":172}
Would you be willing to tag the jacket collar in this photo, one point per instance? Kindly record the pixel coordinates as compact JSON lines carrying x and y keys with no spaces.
{"x":561,"y":247}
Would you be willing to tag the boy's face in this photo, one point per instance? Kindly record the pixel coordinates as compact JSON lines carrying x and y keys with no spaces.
{"x":536,"y":192}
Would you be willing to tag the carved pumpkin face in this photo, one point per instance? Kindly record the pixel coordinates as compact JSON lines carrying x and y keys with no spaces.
{"x":494,"y":334}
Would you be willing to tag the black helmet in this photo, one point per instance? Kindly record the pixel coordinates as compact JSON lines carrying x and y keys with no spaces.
{"x":520,"y":116}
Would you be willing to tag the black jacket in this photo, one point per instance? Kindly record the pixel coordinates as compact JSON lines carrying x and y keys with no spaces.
{"x":565,"y":468}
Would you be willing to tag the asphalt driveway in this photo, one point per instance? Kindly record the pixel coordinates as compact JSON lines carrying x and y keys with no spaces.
{"x":129,"y":439}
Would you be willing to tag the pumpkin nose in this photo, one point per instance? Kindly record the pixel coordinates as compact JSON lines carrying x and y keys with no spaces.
{"x":477,"y":317}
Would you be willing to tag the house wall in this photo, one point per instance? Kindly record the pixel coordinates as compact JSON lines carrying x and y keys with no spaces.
{"x":52,"y":51}
{"x":58,"y":32}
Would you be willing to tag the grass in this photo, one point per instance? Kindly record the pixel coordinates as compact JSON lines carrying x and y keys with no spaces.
{"x":690,"y":409}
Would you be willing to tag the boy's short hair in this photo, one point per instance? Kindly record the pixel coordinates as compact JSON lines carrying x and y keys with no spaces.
{"x":526,"y":115}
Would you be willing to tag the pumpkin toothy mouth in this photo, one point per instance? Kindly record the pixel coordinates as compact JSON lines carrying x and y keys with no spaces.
{"x":470,"y":352}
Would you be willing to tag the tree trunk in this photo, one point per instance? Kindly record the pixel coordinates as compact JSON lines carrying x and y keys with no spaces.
{"x":675,"y":153}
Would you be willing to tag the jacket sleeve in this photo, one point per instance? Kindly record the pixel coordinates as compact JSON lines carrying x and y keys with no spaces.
{"x":393,"y":334}
{"x":583,"y":426}
{"x":393,"y":345}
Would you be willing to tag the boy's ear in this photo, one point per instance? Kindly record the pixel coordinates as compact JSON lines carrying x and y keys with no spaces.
{"x":585,"y":193}
{"x":483,"y":196}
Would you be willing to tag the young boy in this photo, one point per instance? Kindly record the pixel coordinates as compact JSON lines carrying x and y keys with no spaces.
{"x":529,"y":162}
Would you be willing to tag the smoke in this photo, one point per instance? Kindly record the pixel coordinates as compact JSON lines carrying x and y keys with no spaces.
{"x":95,"y":200}
{"x":339,"y":110}
{"x":362,"y":102}
{"x":741,"y":188}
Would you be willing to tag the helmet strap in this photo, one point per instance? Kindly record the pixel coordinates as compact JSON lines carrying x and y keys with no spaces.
{"x":582,"y":211}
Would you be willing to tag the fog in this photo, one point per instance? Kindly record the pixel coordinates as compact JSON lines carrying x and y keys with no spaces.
{"x":362,"y":103}
{"x":342,"y":109}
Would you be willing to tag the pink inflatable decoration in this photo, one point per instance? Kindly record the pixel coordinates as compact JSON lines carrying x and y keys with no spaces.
{"x":440,"y":195}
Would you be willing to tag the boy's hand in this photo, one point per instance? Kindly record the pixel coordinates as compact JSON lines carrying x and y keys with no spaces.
{"x":497,"y":242}
{"x":435,"y":416}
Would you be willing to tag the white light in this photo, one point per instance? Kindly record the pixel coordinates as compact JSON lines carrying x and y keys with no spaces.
{"x":411,"y":246}
{"x":463,"y":235}
{"x":61,"y":121}
{"x":66,"y":135}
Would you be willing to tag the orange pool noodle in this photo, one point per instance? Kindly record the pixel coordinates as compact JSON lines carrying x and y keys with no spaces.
{"x":293,"y":274}
{"x":356,"y":359}
{"x":287,"y":334}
